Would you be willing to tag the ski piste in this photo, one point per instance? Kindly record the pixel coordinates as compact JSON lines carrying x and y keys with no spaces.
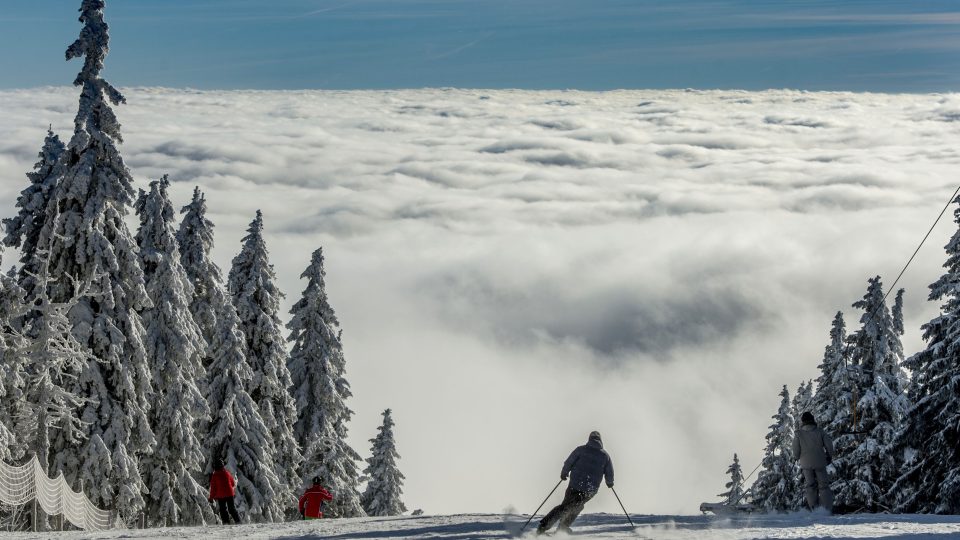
{"x":513,"y":523}
{"x":628,"y":533}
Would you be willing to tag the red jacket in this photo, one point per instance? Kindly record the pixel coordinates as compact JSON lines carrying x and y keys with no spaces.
{"x":311,"y":501}
{"x":222,"y":485}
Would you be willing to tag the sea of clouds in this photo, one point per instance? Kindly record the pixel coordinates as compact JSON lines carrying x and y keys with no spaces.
{"x":513,"y":269}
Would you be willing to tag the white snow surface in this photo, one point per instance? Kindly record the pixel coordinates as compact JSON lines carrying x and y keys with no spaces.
{"x":481,"y":526}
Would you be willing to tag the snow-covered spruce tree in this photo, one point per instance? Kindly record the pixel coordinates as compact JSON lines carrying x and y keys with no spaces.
{"x":382,"y":496}
{"x":833,"y":397}
{"x":8,"y":378}
{"x":802,"y":402}
{"x":53,"y":357}
{"x":89,"y":242}
{"x":835,"y":400}
{"x":252,"y":285}
{"x":930,"y":477}
{"x":23,"y":230}
{"x":897,"y":314}
{"x":317,"y":367}
{"x":867,"y":471}
{"x":775,"y":487}
{"x":12,"y":370}
{"x":236,"y":433}
{"x":50,"y":405}
{"x":174,"y":347}
{"x":195,"y":240}
{"x":13,"y":404}
{"x":734,"y":494}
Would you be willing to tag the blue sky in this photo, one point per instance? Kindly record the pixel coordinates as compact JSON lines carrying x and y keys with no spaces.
{"x":866,"y":45}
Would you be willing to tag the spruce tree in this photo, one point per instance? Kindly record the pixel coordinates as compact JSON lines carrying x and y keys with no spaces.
{"x":51,"y":358}
{"x":237,"y":433}
{"x":15,"y":409}
{"x":50,"y":404}
{"x":802,"y":402}
{"x":869,"y":468}
{"x":195,"y":241}
{"x":775,"y":486}
{"x":385,"y":485}
{"x":833,"y":397}
{"x":12,"y":370}
{"x":23,"y":231}
{"x":91,"y":248}
{"x":317,"y":367}
{"x":930,"y":476}
{"x":252,"y":285}
{"x":174,"y":347}
{"x":835,"y":402}
{"x":8,"y":439}
{"x":897,"y":314}
{"x":734,"y":494}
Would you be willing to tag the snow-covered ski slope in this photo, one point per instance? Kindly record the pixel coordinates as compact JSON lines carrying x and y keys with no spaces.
{"x":481,"y":526}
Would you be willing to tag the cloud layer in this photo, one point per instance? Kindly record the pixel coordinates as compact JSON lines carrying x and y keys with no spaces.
{"x":514,"y":269}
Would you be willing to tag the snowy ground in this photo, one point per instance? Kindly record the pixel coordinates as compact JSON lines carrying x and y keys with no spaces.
{"x":480,"y":526}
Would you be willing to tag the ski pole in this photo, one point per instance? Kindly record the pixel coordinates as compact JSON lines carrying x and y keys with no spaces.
{"x":622,"y":507}
{"x":541,"y":506}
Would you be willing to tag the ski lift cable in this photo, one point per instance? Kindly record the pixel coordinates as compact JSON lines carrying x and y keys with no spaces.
{"x":744,"y":482}
{"x":846,"y":367}
{"x":926,"y":236}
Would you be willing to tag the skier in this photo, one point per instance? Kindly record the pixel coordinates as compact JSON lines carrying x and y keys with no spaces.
{"x":585,"y":467}
{"x":311,"y":502}
{"x":223,"y":490}
{"x":814,"y":450}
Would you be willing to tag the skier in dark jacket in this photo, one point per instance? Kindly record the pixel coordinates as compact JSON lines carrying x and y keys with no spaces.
{"x":586,"y":467}
{"x":223,"y":490}
{"x":813,"y":449}
{"x":311,"y":502}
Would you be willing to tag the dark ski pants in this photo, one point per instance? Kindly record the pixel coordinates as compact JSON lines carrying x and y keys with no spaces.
{"x":567,"y":511}
{"x":228,"y":509}
{"x":817,"y":486}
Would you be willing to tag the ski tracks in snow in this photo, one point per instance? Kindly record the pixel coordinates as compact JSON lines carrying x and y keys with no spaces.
{"x":801,"y":526}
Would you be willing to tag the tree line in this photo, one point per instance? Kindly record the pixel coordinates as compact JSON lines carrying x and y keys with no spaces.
{"x":130,"y":364}
{"x":894,"y":420}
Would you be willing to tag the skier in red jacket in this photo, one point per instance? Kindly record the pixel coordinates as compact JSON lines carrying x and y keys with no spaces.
{"x":311,"y":502}
{"x":223,"y":490}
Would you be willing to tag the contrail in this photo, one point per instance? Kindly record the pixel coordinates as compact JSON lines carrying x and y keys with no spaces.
{"x":324,"y":10}
{"x":462,"y":48}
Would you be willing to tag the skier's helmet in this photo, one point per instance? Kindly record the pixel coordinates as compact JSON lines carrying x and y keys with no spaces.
{"x":807,"y":418}
{"x":317,"y":480}
{"x":595,"y":435}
